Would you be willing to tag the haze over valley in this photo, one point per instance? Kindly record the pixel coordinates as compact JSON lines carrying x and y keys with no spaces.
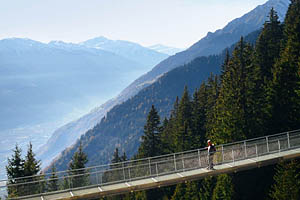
{"x":44,"y":86}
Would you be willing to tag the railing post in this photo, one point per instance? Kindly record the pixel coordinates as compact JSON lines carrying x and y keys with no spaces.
{"x":129,"y":173}
{"x":267,"y":140}
{"x":40,"y":186}
{"x":278,"y":145}
{"x":70,"y":183}
{"x":199,"y":157}
{"x":232,"y":155}
{"x":245,"y":146}
{"x":124,"y":171}
{"x":256,"y":152}
{"x":288,"y":139}
{"x":175,"y":167}
{"x":222,"y":154}
{"x":156,"y":169}
{"x":97,"y":178}
{"x":149,"y":166}
{"x":182,"y":164}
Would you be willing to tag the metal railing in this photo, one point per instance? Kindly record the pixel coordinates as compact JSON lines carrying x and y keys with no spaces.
{"x":148,"y":167}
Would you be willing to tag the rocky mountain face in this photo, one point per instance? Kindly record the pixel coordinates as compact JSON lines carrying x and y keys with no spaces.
{"x":213,"y":43}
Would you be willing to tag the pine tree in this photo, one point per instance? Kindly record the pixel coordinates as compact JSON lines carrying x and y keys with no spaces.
{"x":286,"y":75}
{"x":268,"y":46}
{"x":192,"y":191}
{"x":213,"y":87}
{"x":31,"y":169}
{"x":183,"y":132}
{"x":224,"y":188}
{"x":230,"y":110}
{"x":150,"y":145}
{"x":287,"y":181}
{"x":225,"y":64}
{"x":31,"y":165}
{"x":179,"y":193}
{"x":77,"y":172}
{"x":199,"y":109}
{"x":267,"y":50}
{"x":116,"y":157}
{"x":42,"y":186}
{"x":169,"y":129}
{"x":15,"y":167}
{"x":123,"y":157}
{"x":14,"y":170}
{"x":66,"y":184}
{"x":53,"y":180}
{"x":206,"y":188}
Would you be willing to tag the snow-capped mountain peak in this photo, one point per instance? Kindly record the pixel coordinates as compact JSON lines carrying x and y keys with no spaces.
{"x":165,"y":49}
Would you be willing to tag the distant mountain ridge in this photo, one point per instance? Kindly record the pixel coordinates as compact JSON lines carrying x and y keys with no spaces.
{"x":213,"y":43}
{"x":165,"y":49}
{"x":129,"y":50}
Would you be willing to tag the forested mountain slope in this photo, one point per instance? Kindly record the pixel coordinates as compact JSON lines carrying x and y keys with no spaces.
{"x":123,"y":125}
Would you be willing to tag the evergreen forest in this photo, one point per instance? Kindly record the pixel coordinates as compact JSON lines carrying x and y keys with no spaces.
{"x":256,"y":94}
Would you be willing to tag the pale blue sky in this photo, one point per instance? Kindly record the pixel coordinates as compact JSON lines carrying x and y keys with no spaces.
{"x":178,"y":23}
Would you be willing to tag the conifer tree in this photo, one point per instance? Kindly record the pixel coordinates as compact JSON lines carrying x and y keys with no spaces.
{"x":166,"y":139}
{"x":150,"y":145}
{"x":123,"y":157}
{"x":199,"y":117}
{"x":66,"y":184}
{"x":53,"y":181}
{"x":268,"y":46}
{"x":31,"y":165}
{"x":32,"y":168}
{"x":224,"y":188}
{"x":287,"y":181}
{"x":183,"y":132}
{"x":286,"y":75}
{"x":192,"y":191}
{"x":267,"y":49}
{"x":225,"y":64}
{"x":76,"y":167}
{"x":176,"y":107}
{"x":230,"y":118}
{"x":206,"y":188}
{"x":169,"y":129}
{"x":116,"y":157}
{"x":15,"y":169}
{"x":179,"y":193}
{"x":213,"y":87}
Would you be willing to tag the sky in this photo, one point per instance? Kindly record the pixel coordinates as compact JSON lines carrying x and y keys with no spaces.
{"x":177,"y":23}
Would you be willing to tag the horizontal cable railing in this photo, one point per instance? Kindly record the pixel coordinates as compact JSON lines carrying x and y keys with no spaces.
{"x":148,"y":167}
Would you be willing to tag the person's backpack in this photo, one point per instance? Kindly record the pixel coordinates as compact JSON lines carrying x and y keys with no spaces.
{"x":212,"y":149}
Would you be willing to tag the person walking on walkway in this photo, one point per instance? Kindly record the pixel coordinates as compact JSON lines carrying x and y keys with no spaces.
{"x":211,"y":149}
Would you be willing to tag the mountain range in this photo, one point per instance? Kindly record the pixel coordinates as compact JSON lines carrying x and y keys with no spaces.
{"x":108,"y":129}
{"x":129,"y":50}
